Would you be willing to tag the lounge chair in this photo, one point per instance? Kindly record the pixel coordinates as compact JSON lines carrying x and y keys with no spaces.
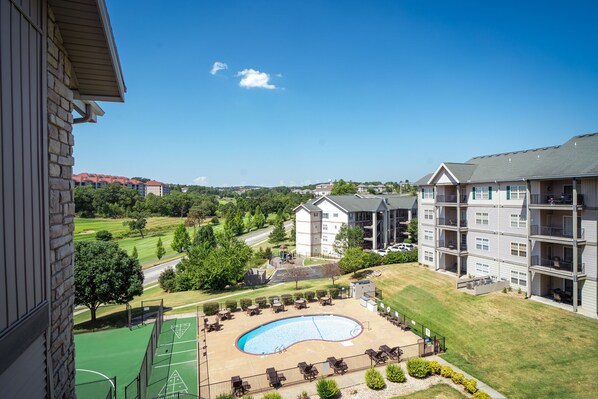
{"x":405,"y":326}
{"x":378,"y":357}
{"x":309,"y":372}
{"x":338,"y":365}
{"x":215,"y":326}
{"x":274,"y":379}
{"x":238,"y":386}
{"x":394,"y":353}
{"x":396,"y":321}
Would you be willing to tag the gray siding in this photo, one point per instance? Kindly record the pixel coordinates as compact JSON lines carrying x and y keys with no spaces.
{"x":22,"y":380}
{"x":22,"y":200}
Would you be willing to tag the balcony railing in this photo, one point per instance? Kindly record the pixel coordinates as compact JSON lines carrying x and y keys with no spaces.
{"x":450,"y":198}
{"x":451,"y":222}
{"x":452,"y":245}
{"x":555,"y":232}
{"x":557,"y":264}
{"x":552,"y":199}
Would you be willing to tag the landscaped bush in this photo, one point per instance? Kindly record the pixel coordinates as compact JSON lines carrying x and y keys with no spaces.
{"x":321,"y":293}
{"x":334,"y":293}
{"x":303,"y":395}
{"x":287,"y":299}
{"x":211,"y":308}
{"x":231,"y":305}
{"x":310,"y":295}
{"x":418,"y":367}
{"x":374,"y":380}
{"x":470,"y":385}
{"x":167,"y":280}
{"x":261,"y":302}
{"x":457,"y":378}
{"x":435,"y":367}
{"x":225,"y":396}
{"x":245,"y":303}
{"x":272,"y":395}
{"x":481,"y":395}
{"x":104,"y":235}
{"x":299,"y":295}
{"x":407,"y":241}
{"x":327,"y":388}
{"x":446,"y":371}
{"x":394,"y":373}
{"x":371,"y":259}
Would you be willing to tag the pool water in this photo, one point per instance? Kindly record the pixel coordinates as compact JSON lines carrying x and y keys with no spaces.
{"x":280,"y":334}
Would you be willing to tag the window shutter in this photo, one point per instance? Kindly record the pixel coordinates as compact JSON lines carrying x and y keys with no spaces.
{"x":433,"y":192}
{"x":489,"y":192}
{"x":508,"y":192}
{"x":422,"y":193}
{"x":473,"y":192}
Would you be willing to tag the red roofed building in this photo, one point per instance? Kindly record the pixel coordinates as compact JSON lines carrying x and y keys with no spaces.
{"x":157,"y":188}
{"x":99,"y":180}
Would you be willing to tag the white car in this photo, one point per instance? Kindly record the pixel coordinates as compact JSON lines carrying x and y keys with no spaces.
{"x":409,"y":247}
{"x":381,"y":252}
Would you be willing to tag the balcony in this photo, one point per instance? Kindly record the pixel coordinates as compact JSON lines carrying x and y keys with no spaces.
{"x":450,"y":199}
{"x":553,"y":200}
{"x":556,"y":233}
{"x":450,"y":245}
{"x":556,"y":266}
{"x":448,"y":222}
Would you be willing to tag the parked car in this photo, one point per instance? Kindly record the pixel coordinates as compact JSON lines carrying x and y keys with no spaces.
{"x":409,"y":247}
{"x":381,"y":252}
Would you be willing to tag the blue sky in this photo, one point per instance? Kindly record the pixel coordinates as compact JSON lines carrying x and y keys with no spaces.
{"x":318,"y":90}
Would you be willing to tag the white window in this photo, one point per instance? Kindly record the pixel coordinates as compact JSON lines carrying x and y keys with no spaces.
{"x":518,"y":249}
{"x":428,"y":193}
{"x":518,"y":278}
{"x":429,"y":214}
{"x":481,"y":243}
{"x":428,"y":256}
{"x":516,"y":192}
{"x":518,"y":221}
{"x":325,"y":238}
{"x":482,"y":193}
{"x":482,"y":269}
{"x":324,"y":216}
{"x":324,"y":227}
{"x":428,"y":235}
{"x":481,"y":218}
{"x":335,"y":215}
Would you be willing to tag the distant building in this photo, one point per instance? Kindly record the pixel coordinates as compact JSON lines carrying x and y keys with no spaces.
{"x":302,"y":192}
{"x":384,"y":219}
{"x":157,"y":188}
{"x":376,"y":188}
{"x":323,"y":189}
{"x":99,"y":180}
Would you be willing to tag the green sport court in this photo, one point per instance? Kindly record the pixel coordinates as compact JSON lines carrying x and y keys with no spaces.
{"x":175,"y":362}
{"x":103,"y":355}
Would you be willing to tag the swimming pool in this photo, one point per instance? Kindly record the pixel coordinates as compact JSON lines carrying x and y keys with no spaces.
{"x":280,"y":334}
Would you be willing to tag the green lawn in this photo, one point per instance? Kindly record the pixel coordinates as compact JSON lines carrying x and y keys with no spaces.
{"x":314,"y":261}
{"x":440,"y":391}
{"x":85,"y":228}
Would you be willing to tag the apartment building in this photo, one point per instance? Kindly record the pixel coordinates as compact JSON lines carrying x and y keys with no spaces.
{"x":57,"y":57}
{"x":323,"y":189}
{"x":376,"y":188}
{"x":527,"y":217}
{"x":157,"y":188}
{"x":383,"y":218}
{"x":99,"y":180}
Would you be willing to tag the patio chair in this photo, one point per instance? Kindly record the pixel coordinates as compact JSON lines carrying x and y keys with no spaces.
{"x":394,"y":353}
{"x":405,"y":326}
{"x":309,"y":372}
{"x":338,"y":365}
{"x":396,"y":321}
{"x":557,"y":297}
{"x":238,"y":386}
{"x":378,"y":357}
{"x":274,"y":379}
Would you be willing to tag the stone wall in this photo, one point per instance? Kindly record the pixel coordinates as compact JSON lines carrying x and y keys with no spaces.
{"x":62,"y":211}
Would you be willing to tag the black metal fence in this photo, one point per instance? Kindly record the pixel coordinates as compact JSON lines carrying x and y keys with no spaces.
{"x":99,"y":389}
{"x":137,"y":389}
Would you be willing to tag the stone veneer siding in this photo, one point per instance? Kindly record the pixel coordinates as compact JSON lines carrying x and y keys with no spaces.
{"x":61,"y":211}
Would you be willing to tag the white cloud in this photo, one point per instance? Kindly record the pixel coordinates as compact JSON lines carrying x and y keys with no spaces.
{"x":252,"y":78}
{"x":218,"y":66}
{"x":201,"y":180}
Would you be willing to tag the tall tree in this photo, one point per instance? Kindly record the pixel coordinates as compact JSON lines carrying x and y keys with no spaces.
{"x":348,"y":237}
{"x":297,"y":272}
{"x":135,"y":254}
{"x":332,"y":271}
{"x":205,"y":237}
{"x":278,"y":233}
{"x":181,"y":240}
{"x":342,"y":187}
{"x":294,"y":231}
{"x":352,"y":261}
{"x":138,"y":222}
{"x":105,"y":274}
{"x":412,"y":229}
{"x":160,"y":251}
{"x":259,"y":220}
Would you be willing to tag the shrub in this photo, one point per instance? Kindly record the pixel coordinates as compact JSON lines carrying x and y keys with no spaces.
{"x":167,"y":280}
{"x":334,"y":293}
{"x":104,"y":235}
{"x":394,"y":373}
{"x":225,"y":396}
{"x":321,"y":293}
{"x":261,"y":302}
{"x":310,"y":295}
{"x":457,"y":378}
{"x":245,"y":302}
{"x":435,"y":367}
{"x":303,"y":395}
{"x":327,"y":388}
{"x":231,"y":305}
{"x":215,"y":220}
{"x":418,"y":367}
{"x":299,"y":295}
{"x":287,"y":299}
{"x":247,"y":397}
{"x":407,"y":241}
{"x":470,"y":385}
{"x":272,"y":395}
{"x":504,"y":290}
{"x":446,"y":371}
{"x":211,"y":308}
{"x":374,"y":380}
{"x":371,"y":259}
{"x":481,"y":395}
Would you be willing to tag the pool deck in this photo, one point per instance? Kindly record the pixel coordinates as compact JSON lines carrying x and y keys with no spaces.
{"x":226,"y":360}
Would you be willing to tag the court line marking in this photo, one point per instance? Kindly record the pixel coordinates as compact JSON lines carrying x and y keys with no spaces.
{"x":180,"y":342}
{"x":173,"y":364}
{"x":98,"y":373}
{"x":174,"y":353}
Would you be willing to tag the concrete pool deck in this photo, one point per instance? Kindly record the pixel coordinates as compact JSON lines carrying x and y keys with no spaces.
{"x":225,"y":360}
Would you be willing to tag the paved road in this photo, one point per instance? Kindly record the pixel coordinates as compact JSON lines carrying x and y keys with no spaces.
{"x":151,"y":274}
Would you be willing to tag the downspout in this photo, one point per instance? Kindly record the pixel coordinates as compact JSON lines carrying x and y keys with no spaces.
{"x":498,"y":192}
{"x":88,"y":117}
